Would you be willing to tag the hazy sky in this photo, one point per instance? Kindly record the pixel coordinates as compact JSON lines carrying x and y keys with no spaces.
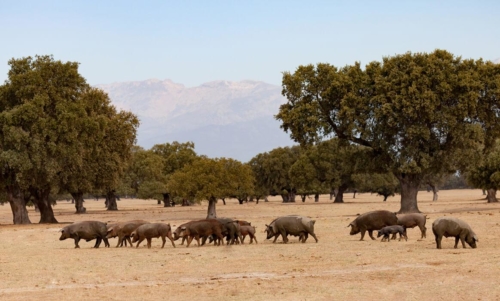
{"x":192,"y":42}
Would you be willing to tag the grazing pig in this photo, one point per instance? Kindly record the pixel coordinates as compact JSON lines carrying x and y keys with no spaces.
{"x":179,"y":229}
{"x":87,"y":230}
{"x":244,"y":223}
{"x":149,"y":231}
{"x":202,"y":229}
{"x":373,"y":220}
{"x":412,"y":220}
{"x":395,"y":229}
{"x":248,"y":230}
{"x":453,"y":227}
{"x":295,"y":225}
{"x":123,"y":230}
{"x":231,"y":230}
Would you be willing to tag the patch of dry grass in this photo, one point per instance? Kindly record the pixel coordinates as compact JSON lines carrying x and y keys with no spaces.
{"x":35,"y":265}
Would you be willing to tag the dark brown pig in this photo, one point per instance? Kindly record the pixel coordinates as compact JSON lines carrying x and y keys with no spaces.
{"x":295,"y":225}
{"x":231,"y":230}
{"x":244,"y":223}
{"x":123,"y":230}
{"x":153,"y":230}
{"x":178,"y":230}
{"x":202,"y":229}
{"x":453,"y":227}
{"x":248,"y":230}
{"x":87,"y":230}
{"x":373,"y":220}
{"x":394,"y":230}
{"x":412,"y":220}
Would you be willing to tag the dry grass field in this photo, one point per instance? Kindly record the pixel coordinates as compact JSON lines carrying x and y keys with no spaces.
{"x":35,"y":265}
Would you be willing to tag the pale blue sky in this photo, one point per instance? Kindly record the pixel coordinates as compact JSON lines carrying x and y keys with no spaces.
{"x":192,"y":42}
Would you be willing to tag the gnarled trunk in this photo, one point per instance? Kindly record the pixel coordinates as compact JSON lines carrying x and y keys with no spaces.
{"x":166,"y":200}
{"x":41,"y":199}
{"x":354,"y":195}
{"x":291,"y":196}
{"x":78,"y":197}
{"x":492,"y":195}
{"x":409,"y":190}
{"x":241,"y":200}
{"x":211,"y":208}
{"x":316,"y":197}
{"x":111,"y":201}
{"x":17,"y":205}
{"x":303,"y":197}
{"x":339,"y":197}
{"x":385,"y":197}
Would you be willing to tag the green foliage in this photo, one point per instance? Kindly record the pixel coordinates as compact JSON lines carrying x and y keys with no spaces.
{"x":144,"y":175}
{"x":486,"y":173}
{"x":420,"y":113}
{"x":175,"y":155}
{"x":384,"y":184}
{"x":206,"y":178}
{"x":271,"y":169}
{"x":57,"y":133}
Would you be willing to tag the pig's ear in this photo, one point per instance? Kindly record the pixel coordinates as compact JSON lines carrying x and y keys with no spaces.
{"x":110,"y":229}
{"x":475,"y":238}
{"x":267,"y":225}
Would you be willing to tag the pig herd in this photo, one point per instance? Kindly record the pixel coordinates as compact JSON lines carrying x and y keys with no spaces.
{"x":235,"y":231}
{"x":387,"y":223}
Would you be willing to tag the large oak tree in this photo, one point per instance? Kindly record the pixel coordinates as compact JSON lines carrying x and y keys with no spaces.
{"x":57,"y":134}
{"x":418,"y":112}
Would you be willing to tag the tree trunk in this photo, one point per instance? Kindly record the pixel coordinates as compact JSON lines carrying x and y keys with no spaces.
{"x":332,"y":194}
{"x":41,"y":198}
{"x":166,"y":200}
{"x":385,"y":197}
{"x":78,"y":197}
{"x":211,"y":208}
{"x":18,"y":206}
{"x":291,"y":196}
{"x":409,"y":190}
{"x":339,"y":197}
{"x":285,"y":198}
{"x":266,"y":200}
{"x":224,"y":201}
{"x":111,"y":201}
{"x":303,"y":197}
{"x":159,"y":202}
{"x":316,"y":197}
{"x":492,"y":195}
{"x":354,"y":195}
{"x":434,"y":191}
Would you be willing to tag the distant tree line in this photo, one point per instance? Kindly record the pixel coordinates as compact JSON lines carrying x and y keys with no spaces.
{"x":411,"y":122}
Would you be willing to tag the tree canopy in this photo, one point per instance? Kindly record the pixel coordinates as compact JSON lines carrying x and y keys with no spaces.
{"x":418,"y":112}
{"x":57,"y":133}
{"x":212,"y":179}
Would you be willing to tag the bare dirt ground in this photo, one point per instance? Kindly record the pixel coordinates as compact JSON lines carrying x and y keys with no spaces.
{"x":35,"y":265}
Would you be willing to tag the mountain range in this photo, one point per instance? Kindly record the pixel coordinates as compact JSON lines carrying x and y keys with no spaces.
{"x":222,"y":118}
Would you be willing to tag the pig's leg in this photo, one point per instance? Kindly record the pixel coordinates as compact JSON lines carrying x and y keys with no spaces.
{"x":370,"y":232}
{"x":164,"y":241}
{"x":77,"y":239}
